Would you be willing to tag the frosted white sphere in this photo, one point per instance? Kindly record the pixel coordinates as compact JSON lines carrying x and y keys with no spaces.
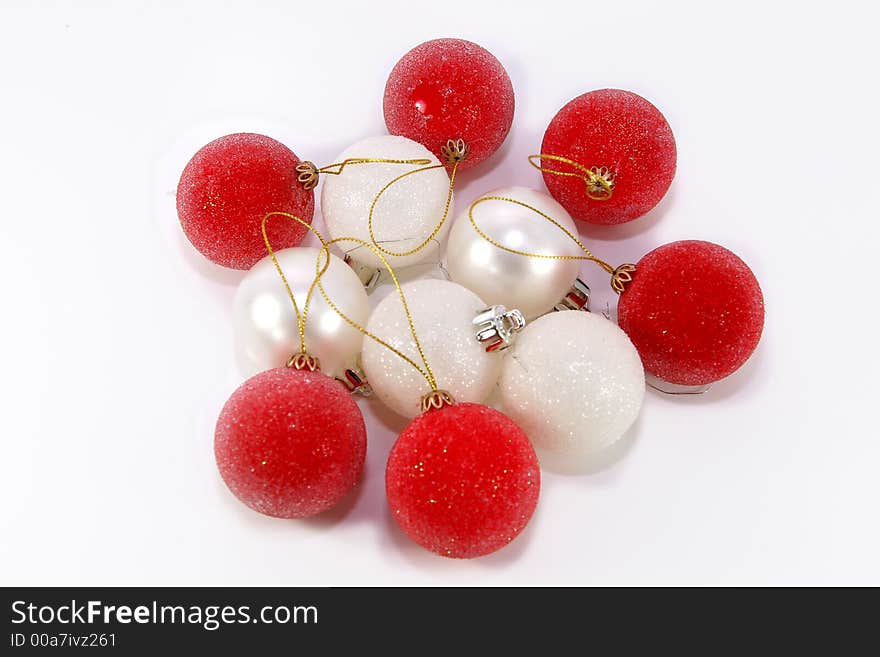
{"x":264,"y":321}
{"x":533,"y":285}
{"x":574,"y":382}
{"x":405,"y":215}
{"x":443,"y":313}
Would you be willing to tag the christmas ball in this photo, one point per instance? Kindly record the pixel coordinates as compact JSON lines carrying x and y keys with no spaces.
{"x":462,"y":481}
{"x":443,"y":314}
{"x":405,"y":215}
{"x":290,"y":443}
{"x":265,"y":323}
{"x":228,"y":187}
{"x":574,"y":382}
{"x":450,"y":89}
{"x":694,"y":311}
{"x":622,"y":132}
{"x":533,"y":285}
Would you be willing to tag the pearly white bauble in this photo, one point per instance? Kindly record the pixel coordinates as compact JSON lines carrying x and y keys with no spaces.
{"x":574,"y":382}
{"x":443,"y":313}
{"x":533,"y":285}
{"x":264,"y":321}
{"x":407,"y":211}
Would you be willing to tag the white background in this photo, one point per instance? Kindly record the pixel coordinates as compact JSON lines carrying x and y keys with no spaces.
{"x":116,"y":335}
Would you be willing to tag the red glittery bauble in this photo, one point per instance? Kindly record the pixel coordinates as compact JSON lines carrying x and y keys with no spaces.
{"x":290,"y":443}
{"x":229,"y":186}
{"x":694,"y":311}
{"x":619,"y":130}
{"x":462,"y":481}
{"x":450,"y":89}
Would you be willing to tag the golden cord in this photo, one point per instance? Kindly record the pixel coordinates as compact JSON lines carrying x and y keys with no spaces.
{"x":425,"y":368}
{"x":599,"y":181}
{"x":454,"y":152}
{"x":436,"y":398}
{"x":300,"y":316}
{"x":307,"y":172}
{"x":620,"y":276}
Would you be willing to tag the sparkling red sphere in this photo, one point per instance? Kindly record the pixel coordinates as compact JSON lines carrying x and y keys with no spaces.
{"x":463,"y":480}
{"x":290,"y":443}
{"x":694,"y":311}
{"x":450,"y":89}
{"x":229,"y":186}
{"x":619,"y":130}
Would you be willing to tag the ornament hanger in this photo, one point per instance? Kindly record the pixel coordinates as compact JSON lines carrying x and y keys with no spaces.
{"x":436,"y":398}
{"x":598,"y":181}
{"x":307,"y":172}
{"x":620,"y":276}
{"x":454,"y":153}
{"x":302,"y":360}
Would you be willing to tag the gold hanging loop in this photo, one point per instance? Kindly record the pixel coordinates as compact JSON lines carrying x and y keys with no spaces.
{"x":307,"y":172}
{"x":454,"y":152}
{"x":309,"y":362}
{"x":620,"y":276}
{"x":321,"y":266}
{"x":598,"y":180}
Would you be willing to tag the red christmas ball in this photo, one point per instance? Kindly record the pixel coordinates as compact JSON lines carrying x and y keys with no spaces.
{"x":290,"y":443}
{"x":450,"y":89}
{"x":622,"y":132}
{"x":228,"y":187}
{"x":463,"y":480}
{"x":694,"y":311}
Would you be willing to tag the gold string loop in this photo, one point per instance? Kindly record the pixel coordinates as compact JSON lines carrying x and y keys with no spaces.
{"x":598,"y":180}
{"x":454,"y":152}
{"x":620,"y":276}
{"x":424,"y":368}
{"x":302,"y":360}
{"x":308,"y":172}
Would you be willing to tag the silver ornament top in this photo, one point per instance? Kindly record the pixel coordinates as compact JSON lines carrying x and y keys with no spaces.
{"x":496,"y":327}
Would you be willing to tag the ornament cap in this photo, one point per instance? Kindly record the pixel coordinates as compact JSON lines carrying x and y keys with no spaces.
{"x":369,"y":276}
{"x":600,"y":183}
{"x":577,"y":298}
{"x":436,"y":399}
{"x":622,"y":276}
{"x":307,"y":175}
{"x":304,"y":361}
{"x":356,"y":381}
{"x":454,"y":151}
{"x":496,"y":327}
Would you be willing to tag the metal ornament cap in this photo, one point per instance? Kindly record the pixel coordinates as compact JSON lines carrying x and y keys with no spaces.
{"x":496,"y":327}
{"x":577,"y":298}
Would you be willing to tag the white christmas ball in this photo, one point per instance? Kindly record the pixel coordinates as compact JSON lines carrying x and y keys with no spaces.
{"x":443,"y":313}
{"x":264,"y":321}
{"x":574,"y":382}
{"x":407,"y":211}
{"x":533,"y":285}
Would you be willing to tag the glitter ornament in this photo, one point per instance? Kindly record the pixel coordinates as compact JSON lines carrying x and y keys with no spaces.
{"x":626,"y":139}
{"x":694,"y":311}
{"x":443,"y":314}
{"x":265,"y":322}
{"x":532,"y":285}
{"x":463,"y":480}
{"x":450,"y":89}
{"x":290,"y":443}
{"x":406,"y":213}
{"x":574,"y":382}
{"x":227,"y":188}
